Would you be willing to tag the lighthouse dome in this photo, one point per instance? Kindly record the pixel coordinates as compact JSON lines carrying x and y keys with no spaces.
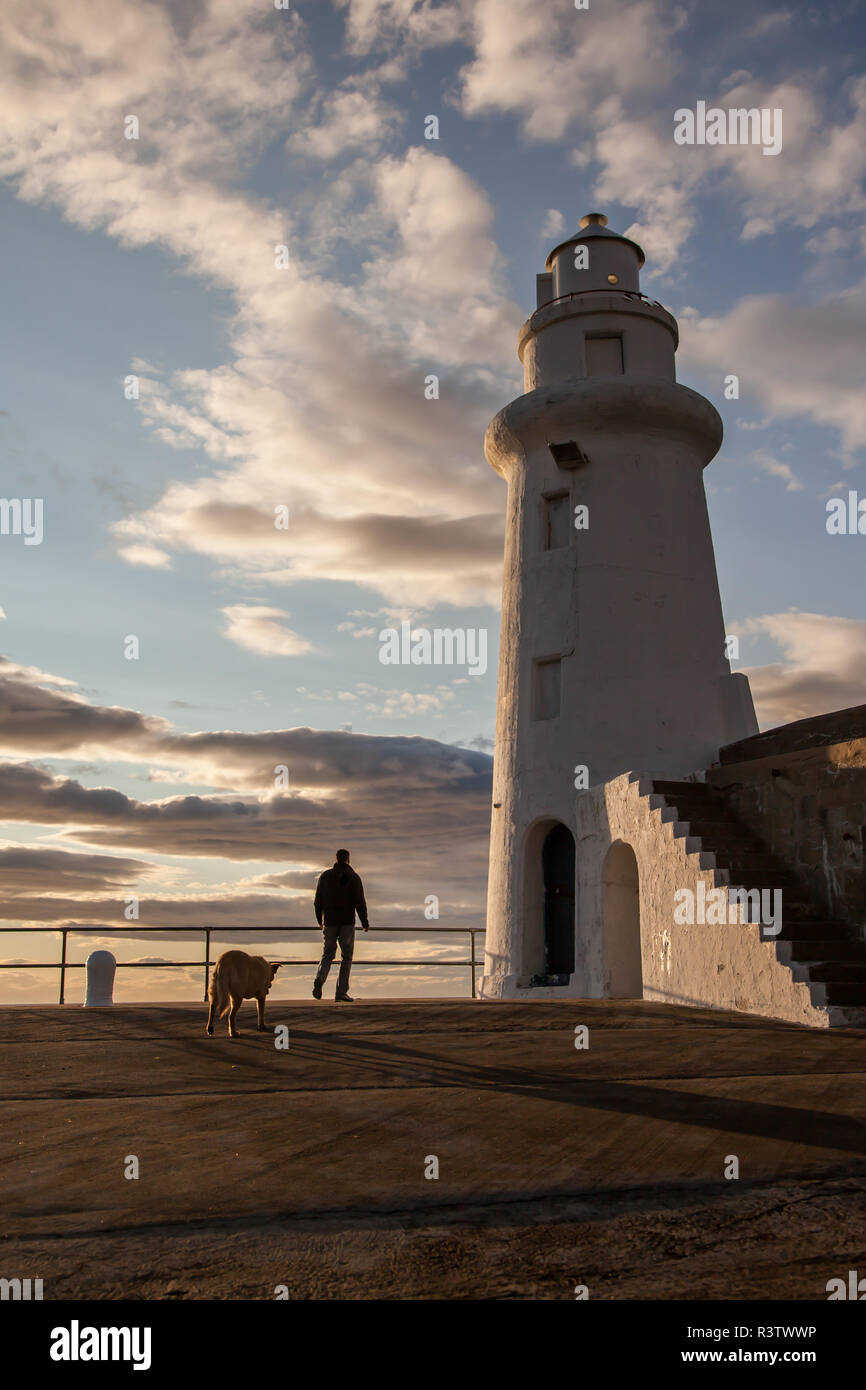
{"x":595,"y":258}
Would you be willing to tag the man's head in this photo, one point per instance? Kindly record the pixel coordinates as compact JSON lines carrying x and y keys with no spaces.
{"x":342,"y":856}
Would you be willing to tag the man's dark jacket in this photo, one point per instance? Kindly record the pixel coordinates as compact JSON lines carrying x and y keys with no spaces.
{"x":339,"y":895}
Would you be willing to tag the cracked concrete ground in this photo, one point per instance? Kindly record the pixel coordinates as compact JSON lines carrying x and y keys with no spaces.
{"x":306,"y":1168}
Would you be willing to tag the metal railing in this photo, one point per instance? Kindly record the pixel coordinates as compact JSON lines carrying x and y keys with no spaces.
{"x":259,"y":933}
{"x":601,"y":289}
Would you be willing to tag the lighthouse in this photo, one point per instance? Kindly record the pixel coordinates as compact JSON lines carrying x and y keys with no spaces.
{"x":613,"y":654}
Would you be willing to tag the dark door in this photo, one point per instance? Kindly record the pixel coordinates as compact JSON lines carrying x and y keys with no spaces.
{"x":558,"y":864}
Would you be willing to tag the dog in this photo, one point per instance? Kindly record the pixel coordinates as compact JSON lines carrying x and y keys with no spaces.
{"x":236,"y":977}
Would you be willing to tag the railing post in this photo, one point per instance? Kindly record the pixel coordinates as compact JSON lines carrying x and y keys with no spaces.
{"x":206,"y":960}
{"x":472,"y":953}
{"x":63,"y":968}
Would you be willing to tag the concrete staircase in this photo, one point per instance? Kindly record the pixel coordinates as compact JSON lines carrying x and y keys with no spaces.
{"x":825,"y":954}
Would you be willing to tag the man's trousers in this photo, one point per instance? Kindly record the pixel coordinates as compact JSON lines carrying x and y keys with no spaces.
{"x":346,"y":938}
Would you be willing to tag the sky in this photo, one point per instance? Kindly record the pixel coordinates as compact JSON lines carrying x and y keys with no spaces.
{"x":233,"y":257}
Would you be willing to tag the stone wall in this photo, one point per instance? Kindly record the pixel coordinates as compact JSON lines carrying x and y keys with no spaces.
{"x":801,"y":789}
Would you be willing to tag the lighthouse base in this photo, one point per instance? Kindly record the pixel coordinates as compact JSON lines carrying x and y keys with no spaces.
{"x":664,"y":913}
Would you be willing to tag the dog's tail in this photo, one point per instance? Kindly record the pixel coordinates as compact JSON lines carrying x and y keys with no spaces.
{"x":218,"y":994}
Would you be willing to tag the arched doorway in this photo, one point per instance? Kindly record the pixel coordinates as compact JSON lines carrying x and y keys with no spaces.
{"x":557,"y":859}
{"x":622,"y":953}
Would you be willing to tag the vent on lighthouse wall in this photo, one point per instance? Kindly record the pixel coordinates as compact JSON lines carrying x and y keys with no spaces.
{"x":568,"y":454}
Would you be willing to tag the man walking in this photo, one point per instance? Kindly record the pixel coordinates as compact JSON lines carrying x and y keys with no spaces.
{"x":339,"y":895}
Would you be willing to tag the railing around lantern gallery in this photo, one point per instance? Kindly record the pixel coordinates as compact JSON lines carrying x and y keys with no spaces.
{"x":601,"y":289}
{"x":259,"y":933}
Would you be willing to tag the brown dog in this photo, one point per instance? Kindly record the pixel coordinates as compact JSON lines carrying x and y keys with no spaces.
{"x":236,"y":977}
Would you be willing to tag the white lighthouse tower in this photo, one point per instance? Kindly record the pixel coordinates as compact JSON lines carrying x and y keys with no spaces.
{"x":612,"y":656}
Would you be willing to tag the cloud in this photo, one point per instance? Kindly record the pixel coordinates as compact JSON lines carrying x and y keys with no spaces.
{"x":340,"y":395}
{"x":399,"y":802}
{"x":824,"y":666}
{"x":37,"y":721}
{"x":390,"y":703}
{"x":53,"y":871}
{"x":552,"y":66}
{"x":405,"y":704}
{"x":394,"y":273}
{"x":642,"y":167}
{"x":203,"y":98}
{"x":769,"y":23}
{"x":147,"y":555}
{"x":36,"y":718}
{"x":400,"y":806}
{"x":795,"y":359}
{"x":260,"y":629}
{"x":348,"y":119}
{"x":420,"y":559}
{"x":40,"y":721}
{"x":618,"y":74}
{"x":13,"y":670}
{"x":431,"y":301}
{"x":287,"y":903}
{"x":767,"y":463}
{"x":413,"y":24}
{"x":553,"y":224}
{"x":193,"y":910}
{"x":824,"y":156}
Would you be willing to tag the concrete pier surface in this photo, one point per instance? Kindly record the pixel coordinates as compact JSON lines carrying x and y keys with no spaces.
{"x":305,"y":1167}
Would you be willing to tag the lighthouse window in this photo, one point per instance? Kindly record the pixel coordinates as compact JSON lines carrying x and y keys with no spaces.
{"x":604,"y":356}
{"x":557,"y":516}
{"x":547,"y":687}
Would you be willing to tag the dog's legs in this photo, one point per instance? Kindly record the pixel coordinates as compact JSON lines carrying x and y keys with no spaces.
{"x":233,"y":1013}
{"x":260,"y":1007}
{"x":210,"y":1016}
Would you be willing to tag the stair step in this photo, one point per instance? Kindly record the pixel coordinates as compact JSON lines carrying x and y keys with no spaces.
{"x":707,"y":814}
{"x":854,"y":993}
{"x":732,"y":852}
{"x":761,"y":883}
{"x":723,"y":829}
{"x":756,"y":864}
{"x":812,"y":931}
{"x":811,"y":949}
{"x":796,"y":909}
{"x":802,"y":910}
{"x":725,"y":834}
{"x":835,"y":962}
{"x":837,"y":971}
{"x":673,"y":788}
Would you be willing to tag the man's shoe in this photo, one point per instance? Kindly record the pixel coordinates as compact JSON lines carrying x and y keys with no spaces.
{"x":343,"y":999}
{"x":317,"y":991}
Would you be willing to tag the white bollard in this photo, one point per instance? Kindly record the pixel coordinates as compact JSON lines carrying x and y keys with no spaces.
{"x":100,"y":969}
